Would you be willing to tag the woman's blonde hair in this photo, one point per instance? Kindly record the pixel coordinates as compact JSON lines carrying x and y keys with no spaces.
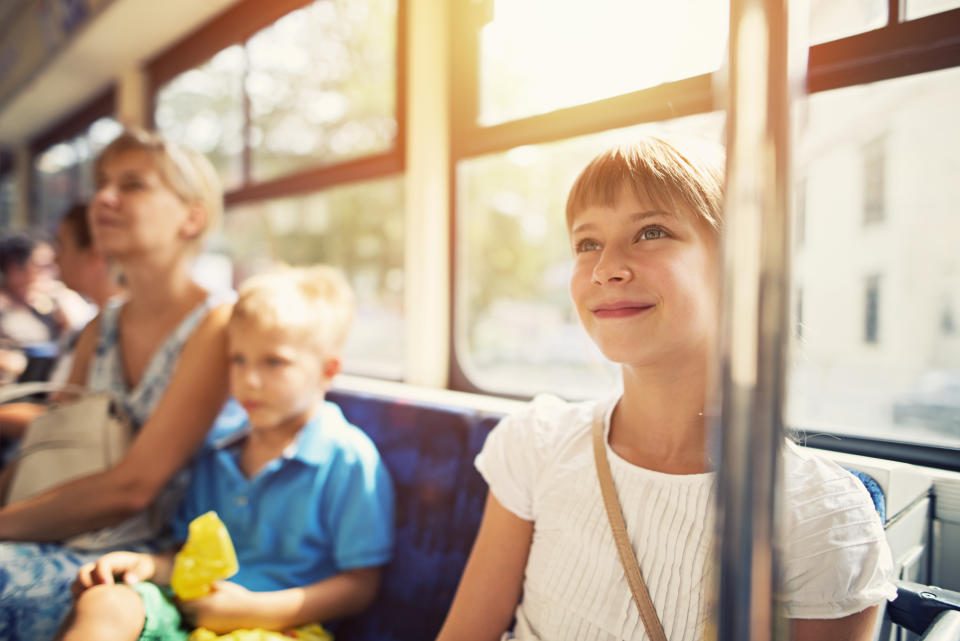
{"x":187,"y":173}
{"x":316,"y":301}
{"x":666,"y":174}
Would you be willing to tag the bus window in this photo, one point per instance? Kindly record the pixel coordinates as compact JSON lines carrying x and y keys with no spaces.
{"x":358,"y":227}
{"x":878,"y":264}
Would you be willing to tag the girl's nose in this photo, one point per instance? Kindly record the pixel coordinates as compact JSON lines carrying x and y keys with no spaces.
{"x":611,"y":267}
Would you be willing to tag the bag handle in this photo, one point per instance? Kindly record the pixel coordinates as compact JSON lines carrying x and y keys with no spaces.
{"x":14,"y":391}
{"x":641,"y":597}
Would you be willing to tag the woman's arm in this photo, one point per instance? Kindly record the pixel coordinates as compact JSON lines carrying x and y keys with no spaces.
{"x":493,"y":579}
{"x":855,"y":627}
{"x":14,"y":418}
{"x":195,"y":395}
{"x":230,"y":607}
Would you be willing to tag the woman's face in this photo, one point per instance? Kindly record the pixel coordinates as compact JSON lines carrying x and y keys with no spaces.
{"x":645,"y":281}
{"x":135,"y":212}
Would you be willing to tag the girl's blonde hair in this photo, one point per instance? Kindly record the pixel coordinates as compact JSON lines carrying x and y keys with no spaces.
{"x":187,"y":173}
{"x":316,"y":301}
{"x":666,"y":174}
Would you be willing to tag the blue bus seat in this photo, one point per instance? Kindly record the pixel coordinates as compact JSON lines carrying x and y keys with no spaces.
{"x":429,"y":451}
{"x":876,"y":493}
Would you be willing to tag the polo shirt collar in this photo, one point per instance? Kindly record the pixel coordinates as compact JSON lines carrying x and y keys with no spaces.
{"x":312,"y":445}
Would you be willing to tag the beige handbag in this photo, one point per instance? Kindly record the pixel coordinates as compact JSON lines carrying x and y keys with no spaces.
{"x":74,"y":438}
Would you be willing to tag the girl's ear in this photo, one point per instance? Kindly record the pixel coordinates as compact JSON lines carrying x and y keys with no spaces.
{"x":196,"y":220}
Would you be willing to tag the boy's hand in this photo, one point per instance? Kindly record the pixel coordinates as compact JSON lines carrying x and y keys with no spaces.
{"x":130,"y":567}
{"x":228,"y":607}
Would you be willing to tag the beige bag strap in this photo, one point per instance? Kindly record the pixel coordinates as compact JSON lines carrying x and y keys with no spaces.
{"x":628,"y":559}
{"x":14,"y":391}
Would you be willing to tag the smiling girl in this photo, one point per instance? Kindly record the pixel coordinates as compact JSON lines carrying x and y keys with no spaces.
{"x":644,"y":224}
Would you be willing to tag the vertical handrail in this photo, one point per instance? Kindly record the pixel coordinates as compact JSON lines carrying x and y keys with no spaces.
{"x":755,"y":276}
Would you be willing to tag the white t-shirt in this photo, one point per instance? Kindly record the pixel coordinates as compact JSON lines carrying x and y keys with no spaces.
{"x":539,"y":465}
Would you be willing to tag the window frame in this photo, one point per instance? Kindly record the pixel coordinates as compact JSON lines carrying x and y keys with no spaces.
{"x":234,"y":27}
{"x":898,"y":49}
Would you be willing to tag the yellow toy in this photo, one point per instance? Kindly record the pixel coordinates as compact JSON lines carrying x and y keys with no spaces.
{"x":207,"y":556}
{"x":312,"y":632}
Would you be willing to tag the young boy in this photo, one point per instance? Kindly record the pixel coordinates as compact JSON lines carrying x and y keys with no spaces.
{"x":303,"y":493}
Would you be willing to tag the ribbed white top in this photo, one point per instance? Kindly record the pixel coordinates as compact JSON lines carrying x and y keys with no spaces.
{"x":539,"y":465}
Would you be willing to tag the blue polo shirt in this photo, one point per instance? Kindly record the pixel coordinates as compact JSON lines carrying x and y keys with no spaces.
{"x":323,"y":507}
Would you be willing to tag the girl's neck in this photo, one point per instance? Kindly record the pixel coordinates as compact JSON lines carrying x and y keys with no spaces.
{"x":659,"y":422}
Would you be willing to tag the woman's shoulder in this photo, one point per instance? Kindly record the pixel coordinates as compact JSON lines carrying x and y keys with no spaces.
{"x":207,"y":320}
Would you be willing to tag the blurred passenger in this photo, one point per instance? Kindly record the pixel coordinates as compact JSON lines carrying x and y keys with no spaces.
{"x":161,"y":352}
{"x":30,"y":311}
{"x":84,"y":270}
{"x":285,"y":339}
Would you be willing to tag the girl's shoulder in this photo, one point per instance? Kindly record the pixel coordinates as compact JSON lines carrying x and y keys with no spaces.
{"x":837,"y":561}
{"x":549,"y":422}
{"x":826,"y":503}
{"x":809,"y":474}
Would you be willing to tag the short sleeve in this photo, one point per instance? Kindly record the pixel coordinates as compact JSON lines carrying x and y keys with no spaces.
{"x":837,"y":560}
{"x":360,"y":517}
{"x":517,"y":449}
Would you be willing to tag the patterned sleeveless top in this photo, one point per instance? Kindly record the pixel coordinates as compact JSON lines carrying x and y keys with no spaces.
{"x":105,"y":373}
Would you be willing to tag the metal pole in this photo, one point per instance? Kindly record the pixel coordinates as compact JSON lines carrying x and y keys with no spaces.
{"x":755,"y":275}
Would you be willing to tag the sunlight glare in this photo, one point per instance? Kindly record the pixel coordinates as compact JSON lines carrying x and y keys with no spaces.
{"x":558,"y":53}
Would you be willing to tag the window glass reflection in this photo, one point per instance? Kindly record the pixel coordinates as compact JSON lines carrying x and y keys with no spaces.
{"x":202,"y":109}
{"x":540,"y":55}
{"x":358,"y":228}
{"x":322,"y":86}
{"x":878,"y":267}
{"x":920,"y":8}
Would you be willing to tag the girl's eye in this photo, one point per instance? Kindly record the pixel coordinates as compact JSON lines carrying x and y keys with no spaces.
{"x":652,"y":233}
{"x":586,"y":245}
{"x":236,"y":359}
{"x":131,"y":185}
{"x":276,"y":361}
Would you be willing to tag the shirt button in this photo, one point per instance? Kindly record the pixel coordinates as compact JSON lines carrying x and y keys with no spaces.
{"x":240,"y":500}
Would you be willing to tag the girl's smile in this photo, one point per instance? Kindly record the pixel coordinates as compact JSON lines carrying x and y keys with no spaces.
{"x":644,"y":281}
{"x":621,"y":309}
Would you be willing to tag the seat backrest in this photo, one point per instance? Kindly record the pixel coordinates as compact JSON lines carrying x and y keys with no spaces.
{"x":876,"y":493}
{"x":429,"y":451}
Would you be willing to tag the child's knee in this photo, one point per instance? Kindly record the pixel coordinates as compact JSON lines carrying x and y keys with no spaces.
{"x":118,"y":604}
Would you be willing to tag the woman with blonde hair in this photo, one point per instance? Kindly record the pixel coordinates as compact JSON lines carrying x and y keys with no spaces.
{"x":161,"y":350}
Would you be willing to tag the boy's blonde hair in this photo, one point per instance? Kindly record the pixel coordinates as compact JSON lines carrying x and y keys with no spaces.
{"x":187,"y":173}
{"x":666,"y":174}
{"x":316,"y":301}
